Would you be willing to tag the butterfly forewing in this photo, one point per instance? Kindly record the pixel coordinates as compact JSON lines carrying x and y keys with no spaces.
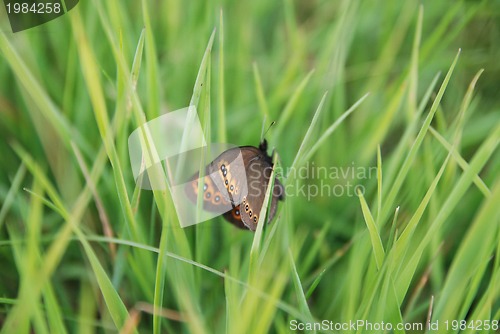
{"x":213,"y":199}
{"x":228,"y":173}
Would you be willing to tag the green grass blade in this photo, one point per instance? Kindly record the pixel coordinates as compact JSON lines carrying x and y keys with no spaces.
{"x":221,"y":129}
{"x":261,"y":97}
{"x":297,"y":161}
{"x":282,"y":121}
{"x":299,"y":291}
{"x":14,"y":189}
{"x":378,"y":248}
{"x":332,"y":128}
{"x":396,"y":186}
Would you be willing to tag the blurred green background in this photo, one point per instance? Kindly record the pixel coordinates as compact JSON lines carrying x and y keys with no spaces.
{"x":82,"y":249}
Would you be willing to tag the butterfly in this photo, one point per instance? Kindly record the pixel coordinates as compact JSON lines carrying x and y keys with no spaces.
{"x":238,"y":184}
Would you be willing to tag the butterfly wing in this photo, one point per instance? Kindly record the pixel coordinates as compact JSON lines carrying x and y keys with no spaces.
{"x":228,"y":173}
{"x":239,"y":177}
{"x":278,"y":195}
{"x":234,"y":217}
{"x":258,"y":168}
{"x":222,"y":184}
{"x":213,"y":199}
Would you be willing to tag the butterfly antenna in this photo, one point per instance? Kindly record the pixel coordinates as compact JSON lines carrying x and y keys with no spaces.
{"x":269,"y":128}
{"x":262,"y":128}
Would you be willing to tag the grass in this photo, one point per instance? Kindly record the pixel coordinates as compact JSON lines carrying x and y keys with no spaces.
{"x":396,"y":98}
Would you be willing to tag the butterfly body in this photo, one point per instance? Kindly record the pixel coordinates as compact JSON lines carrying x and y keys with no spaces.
{"x":242,"y":183}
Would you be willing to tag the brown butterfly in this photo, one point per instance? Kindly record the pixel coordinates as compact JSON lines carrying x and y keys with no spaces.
{"x":240,"y":186}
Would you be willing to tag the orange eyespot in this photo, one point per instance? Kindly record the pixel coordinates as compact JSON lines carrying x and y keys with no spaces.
{"x":236,"y":213}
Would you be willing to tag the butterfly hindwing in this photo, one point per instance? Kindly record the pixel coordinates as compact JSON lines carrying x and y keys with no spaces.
{"x":234,"y":217}
{"x":258,"y":171}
